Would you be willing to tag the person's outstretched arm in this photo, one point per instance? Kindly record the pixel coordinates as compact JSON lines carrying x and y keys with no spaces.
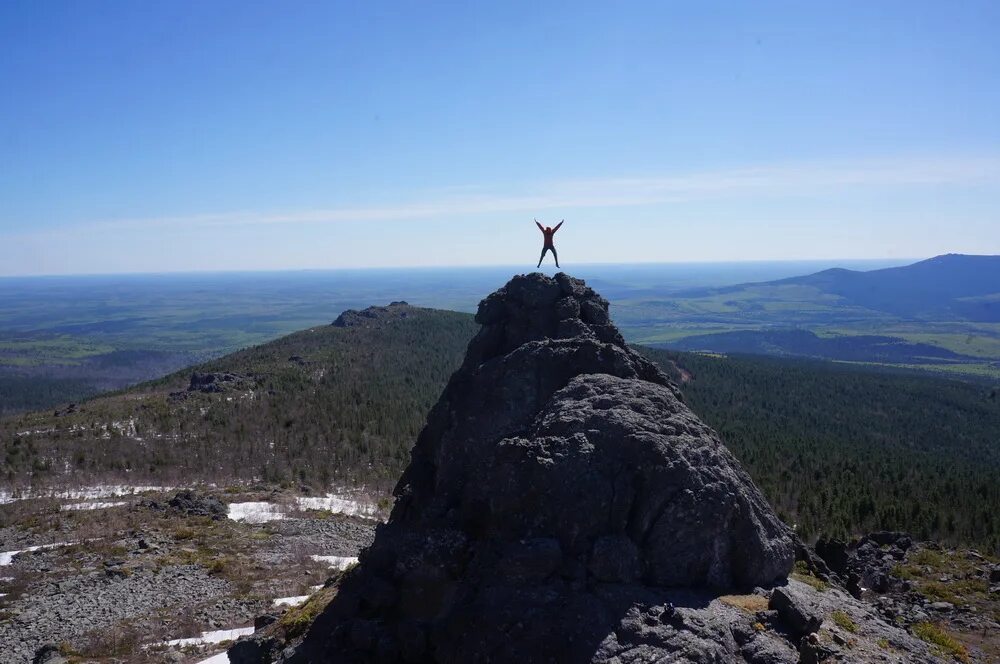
{"x":539,"y":226}
{"x":558,"y":225}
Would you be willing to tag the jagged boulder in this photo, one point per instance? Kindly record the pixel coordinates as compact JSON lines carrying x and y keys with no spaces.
{"x":192,"y":503}
{"x":556,"y":460}
{"x":374,"y":316}
{"x":218,"y":381}
{"x":562,"y":504}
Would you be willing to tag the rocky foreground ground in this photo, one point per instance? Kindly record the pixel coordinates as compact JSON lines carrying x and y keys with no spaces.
{"x":117,"y":583}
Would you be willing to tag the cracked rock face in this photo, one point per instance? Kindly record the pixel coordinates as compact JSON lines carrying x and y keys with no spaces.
{"x":559,"y":469}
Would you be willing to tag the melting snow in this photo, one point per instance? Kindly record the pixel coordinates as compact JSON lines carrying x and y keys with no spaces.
{"x":221,"y":658}
{"x":91,"y":506}
{"x":336,"y":562}
{"x":84,"y":493}
{"x":217,"y":636}
{"x":291,"y":601}
{"x":7,"y":557}
{"x":255,"y":512}
{"x":338,"y":504}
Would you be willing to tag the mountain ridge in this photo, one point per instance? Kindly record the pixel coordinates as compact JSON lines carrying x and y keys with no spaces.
{"x":910,"y":290}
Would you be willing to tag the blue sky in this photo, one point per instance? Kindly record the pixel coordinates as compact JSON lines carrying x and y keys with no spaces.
{"x":163,"y":136}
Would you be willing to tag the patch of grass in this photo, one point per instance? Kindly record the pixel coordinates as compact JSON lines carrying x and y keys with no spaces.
{"x":298,"y":618}
{"x":817,"y":584}
{"x":844,"y":621}
{"x":803,"y":575}
{"x":927,"y":557}
{"x":946,"y":643}
{"x":923,"y":568}
{"x":749,"y":603}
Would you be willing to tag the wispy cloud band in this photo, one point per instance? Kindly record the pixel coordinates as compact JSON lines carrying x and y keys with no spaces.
{"x":761,"y":181}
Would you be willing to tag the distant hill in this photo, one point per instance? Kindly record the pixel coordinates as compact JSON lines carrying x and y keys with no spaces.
{"x":335,"y":402}
{"x":945,"y":287}
{"x":941,"y":314}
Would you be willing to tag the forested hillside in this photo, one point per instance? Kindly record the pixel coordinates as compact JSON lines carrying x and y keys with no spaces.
{"x":836,"y":448}
{"x":325,"y":404}
{"x":844,"y":450}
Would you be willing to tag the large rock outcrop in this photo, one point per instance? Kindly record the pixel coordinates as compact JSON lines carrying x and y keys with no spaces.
{"x":562,"y":504}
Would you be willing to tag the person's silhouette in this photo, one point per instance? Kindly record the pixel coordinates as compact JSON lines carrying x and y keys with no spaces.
{"x":548,"y":232}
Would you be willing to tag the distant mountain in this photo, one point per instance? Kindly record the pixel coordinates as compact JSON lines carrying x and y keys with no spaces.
{"x":939,"y":314}
{"x":947,"y":287}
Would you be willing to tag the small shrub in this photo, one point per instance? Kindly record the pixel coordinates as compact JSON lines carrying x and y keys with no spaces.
{"x":217,"y":566}
{"x":844,"y":621}
{"x":184,"y":533}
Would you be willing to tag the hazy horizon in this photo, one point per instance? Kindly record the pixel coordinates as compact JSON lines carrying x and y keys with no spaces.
{"x":855,"y":263}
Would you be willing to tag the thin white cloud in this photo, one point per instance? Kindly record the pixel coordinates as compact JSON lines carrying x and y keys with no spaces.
{"x":768,"y":181}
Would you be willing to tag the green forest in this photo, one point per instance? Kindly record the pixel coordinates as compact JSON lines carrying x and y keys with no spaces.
{"x":844,"y":450}
{"x":837,"y":449}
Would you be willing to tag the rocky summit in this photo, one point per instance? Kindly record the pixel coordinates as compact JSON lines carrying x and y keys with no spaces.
{"x":562,"y":504}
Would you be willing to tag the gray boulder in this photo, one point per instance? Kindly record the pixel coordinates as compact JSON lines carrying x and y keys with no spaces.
{"x":562,"y":504}
{"x":796,"y":611}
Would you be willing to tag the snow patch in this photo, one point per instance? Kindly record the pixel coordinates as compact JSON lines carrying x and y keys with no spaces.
{"x":337,"y":562}
{"x":83,"y":493}
{"x":221,"y":658}
{"x":91,"y":506}
{"x":291,"y":601}
{"x":338,"y":504}
{"x":7,"y":557}
{"x":255,"y":512}
{"x":218,"y":636}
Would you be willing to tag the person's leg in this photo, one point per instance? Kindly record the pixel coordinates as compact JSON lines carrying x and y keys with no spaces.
{"x":556,"y":256}
{"x":542,"y":257}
